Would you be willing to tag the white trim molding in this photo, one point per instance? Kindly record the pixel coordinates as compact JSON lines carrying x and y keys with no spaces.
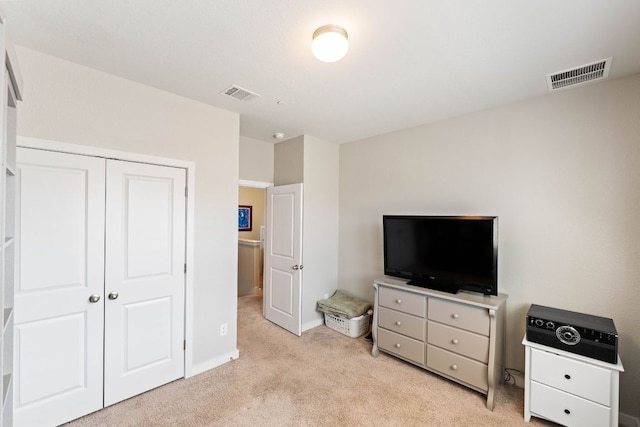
{"x":254,"y":184}
{"x":214,"y":363}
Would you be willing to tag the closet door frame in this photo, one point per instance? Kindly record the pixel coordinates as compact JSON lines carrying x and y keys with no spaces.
{"x":189,"y":369}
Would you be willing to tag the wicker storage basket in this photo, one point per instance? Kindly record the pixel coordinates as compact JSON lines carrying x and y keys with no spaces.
{"x":353,"y":328}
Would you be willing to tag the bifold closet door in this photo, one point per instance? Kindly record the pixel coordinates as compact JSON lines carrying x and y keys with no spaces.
{"x":144,"y":278}
{"x":59,"y":309}
{"x":99,"y":301}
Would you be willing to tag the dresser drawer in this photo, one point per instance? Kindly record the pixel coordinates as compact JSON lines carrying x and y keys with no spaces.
{"x":572,"y":376}
{"x":402,"y":323}
{"x":406,"y":302}
{"x":459,"y":367}
{"x":459,"y":341}
{"x":474,"y":319}
{"x":565,"y":408}
{"x":402,"y":346}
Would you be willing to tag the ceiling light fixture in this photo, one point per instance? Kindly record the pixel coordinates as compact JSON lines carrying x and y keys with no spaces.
{"x":330,"y":43}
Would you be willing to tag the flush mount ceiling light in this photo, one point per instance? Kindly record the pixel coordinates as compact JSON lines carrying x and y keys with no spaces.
{"x":330,"y":43}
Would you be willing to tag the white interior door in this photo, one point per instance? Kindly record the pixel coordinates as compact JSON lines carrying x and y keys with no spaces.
{"x":283,"y":257}
{"x":144,"y":278}
{"x":58,"y":329}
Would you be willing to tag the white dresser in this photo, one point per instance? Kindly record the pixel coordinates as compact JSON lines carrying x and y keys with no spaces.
{"x":570,"y":389}
{"x":459,"y":336}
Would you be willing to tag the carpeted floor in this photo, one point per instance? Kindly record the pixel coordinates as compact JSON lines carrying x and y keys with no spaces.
{"x":323,"y":378}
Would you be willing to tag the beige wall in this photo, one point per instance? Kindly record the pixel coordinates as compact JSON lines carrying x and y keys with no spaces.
{"x":289,"y":161}
{"x":320,"y":223}
{"x":74,"y":104}
{"x":253,"y":197}
{"x":256,"y":160}
{"x":562,"y":174}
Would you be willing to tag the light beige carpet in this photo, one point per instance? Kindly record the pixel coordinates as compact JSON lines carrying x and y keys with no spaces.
{"x":323,"y":378}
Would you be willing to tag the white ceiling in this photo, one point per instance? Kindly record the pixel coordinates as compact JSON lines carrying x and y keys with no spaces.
{"x":410,"y":61}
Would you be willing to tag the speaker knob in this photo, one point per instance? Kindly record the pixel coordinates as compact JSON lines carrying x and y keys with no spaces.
{"x":550,"y":325}
{"x":568,"y":335}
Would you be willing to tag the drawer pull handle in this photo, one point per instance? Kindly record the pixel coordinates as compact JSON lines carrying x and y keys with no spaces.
{"x":455,"y":315}
{"x":566,"y":411}
{"x":567,"y":376}
{"x":397,"y":345}
{"x":454,"y":367}
{"x":399,"y":323}
{"x":454,"y":341}
{"x":399,"y":301}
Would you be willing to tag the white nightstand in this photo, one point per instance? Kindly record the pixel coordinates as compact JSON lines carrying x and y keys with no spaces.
{"x":570,"y":389}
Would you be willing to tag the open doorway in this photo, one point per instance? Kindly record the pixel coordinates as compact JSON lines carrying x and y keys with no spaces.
{"x":251,"y":200}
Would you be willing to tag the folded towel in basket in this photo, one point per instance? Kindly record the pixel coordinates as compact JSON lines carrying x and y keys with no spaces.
{"x":343,"y":304}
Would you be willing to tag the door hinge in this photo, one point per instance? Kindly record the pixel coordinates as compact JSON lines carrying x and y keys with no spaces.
{"x":184,"y":344}
{"x":185,"y":268}
{"x":186,"y":191}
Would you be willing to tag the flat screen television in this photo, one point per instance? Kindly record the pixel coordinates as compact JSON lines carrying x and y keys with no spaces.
{"x":446,"y":253}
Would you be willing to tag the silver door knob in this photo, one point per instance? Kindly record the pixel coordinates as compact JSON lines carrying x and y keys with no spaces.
{"x":113,"y":295}
{"x":296,"y":267}
{"x":94,"y":298}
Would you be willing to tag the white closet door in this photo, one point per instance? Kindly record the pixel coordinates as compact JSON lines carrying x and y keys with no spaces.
{"x":59,"y":331}
{"x":144,"y":283}
{"x":283,"y":257}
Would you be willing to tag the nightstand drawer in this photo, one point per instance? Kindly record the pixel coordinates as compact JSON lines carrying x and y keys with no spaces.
{"x":402,"y":323}
{"x":572,"y":376}
{"x":458,"y":341}
{"x":402,"y":346}
{"x":565,"y":408}
{"x":474,"y":319}
{"x":459,"y":367}
{"x":406,"y":302}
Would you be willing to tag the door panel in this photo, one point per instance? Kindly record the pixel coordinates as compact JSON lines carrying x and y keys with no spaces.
{"x":58,"y":341}
{"x":63,"y":369}
{"x":282,"y":292}
{"x":62,"y":203}
{"x":283,"y":257}
{"x":148,"y":333}
{"x":145,"y":255}
{"x":149,"y":228}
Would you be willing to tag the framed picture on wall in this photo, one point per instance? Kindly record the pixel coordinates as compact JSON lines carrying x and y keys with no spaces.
{"x":244,"y":218}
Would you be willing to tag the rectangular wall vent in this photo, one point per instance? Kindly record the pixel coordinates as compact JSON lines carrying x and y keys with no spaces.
{"x":577,"y":76}
{"x":239,"y":93}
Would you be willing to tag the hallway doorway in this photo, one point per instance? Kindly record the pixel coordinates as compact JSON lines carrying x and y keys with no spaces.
{"x":251,"y":198}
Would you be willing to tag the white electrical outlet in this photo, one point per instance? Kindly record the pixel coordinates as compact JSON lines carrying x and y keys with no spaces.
{"x":326,"y":296}
{"x":223,"y":329}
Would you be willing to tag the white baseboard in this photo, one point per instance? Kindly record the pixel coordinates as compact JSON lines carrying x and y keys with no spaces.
{"x":625,"y":420}
{"x":313,"y":324}
{"x":210,"y":364}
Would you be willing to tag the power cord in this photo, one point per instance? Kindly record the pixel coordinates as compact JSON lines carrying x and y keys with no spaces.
{"x":508,"y":375}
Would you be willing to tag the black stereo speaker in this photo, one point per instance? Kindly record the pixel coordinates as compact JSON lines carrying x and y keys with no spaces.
{"x":591,"y":336}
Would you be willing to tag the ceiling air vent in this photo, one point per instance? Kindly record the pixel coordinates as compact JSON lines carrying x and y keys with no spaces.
{"x":239,"y":93}
{"x":577,"y":76}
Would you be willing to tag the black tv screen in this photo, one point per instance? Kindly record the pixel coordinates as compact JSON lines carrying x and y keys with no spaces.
{"x":447,"y":253}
